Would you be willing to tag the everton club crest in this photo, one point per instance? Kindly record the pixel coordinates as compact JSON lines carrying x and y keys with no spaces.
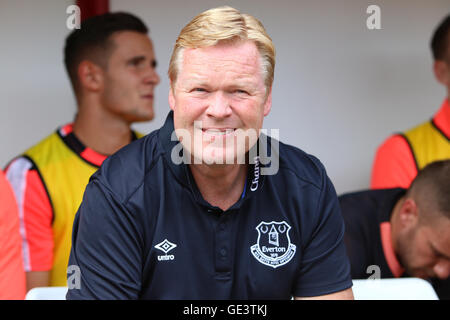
{"x":273,"y":247}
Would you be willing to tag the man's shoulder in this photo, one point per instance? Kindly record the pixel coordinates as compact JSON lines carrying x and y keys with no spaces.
{"x":400,"y":138}
{"x":45,"y":145}
{"x":360,"y":211}
{"x":424,"y":125}
{"x":301,"y":165}
{"x":125,"y":171}
{"x":360,"y":195}
{"x":42,"y":149}
{"x":365,"y":204}
{"x":357,"y":201}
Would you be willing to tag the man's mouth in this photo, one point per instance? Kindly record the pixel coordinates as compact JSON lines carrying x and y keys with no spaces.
{"x":218,"y":132}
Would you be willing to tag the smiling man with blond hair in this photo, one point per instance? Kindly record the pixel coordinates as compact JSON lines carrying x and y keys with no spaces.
{"x":209,"y":207}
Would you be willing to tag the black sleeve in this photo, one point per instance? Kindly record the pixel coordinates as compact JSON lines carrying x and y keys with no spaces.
{"x":325,"y":268}
{"x":107,"y":247}
{"x":355,"y":241}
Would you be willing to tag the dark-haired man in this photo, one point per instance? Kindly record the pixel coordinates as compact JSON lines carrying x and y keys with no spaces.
{"x":401,"y":156}
{"x":403,"y":232}
{"x":111,"y":65}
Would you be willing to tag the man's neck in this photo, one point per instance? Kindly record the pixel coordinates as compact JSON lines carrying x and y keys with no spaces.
{"x":394,"y":222}
{"x":101,"y":132}
{"x":220,"y":185}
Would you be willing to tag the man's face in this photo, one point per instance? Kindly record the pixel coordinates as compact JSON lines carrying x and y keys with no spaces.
{"x":425,"y":249}
{"x":130,"y":77}
{"x":441,"y":68}
{"x":219,"y":96}
{"x":447,"y":63}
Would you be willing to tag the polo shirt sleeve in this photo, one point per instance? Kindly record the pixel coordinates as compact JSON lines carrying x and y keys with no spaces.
{"x":12,"y":274}
{"x":106,"y":248}
{"x":394,"y":165}
{"x":325,"y":268}
{"x":35,"y":214}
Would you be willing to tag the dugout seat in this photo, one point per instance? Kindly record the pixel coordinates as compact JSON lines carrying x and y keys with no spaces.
{"x":47,"y":293}
{"x":393,"y":289}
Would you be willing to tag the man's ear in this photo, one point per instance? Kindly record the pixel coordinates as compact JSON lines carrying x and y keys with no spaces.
{"x":90,"y":76}
{"x":171,"y":97}
{"x":268,"y":103}
{"x":442,"y":72}
{"x":408,"y":214}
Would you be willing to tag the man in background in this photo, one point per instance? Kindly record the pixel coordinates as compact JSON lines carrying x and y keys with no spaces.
{"x":12,"y":274}
{"x":111,"y":65}
{"x":401,"y":156}
{"x":405,"y":232}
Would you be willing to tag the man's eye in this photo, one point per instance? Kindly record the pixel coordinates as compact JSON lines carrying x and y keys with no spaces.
{"x":239,"y":91}
{"x":199,"y":90}
{"x":136,"y":63}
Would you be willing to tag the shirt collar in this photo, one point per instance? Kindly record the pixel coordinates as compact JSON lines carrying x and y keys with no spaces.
{"x":388,"y":250}
{"x":170,"y":144}
{"x":385,"y":212}
{"x":87,"y":154}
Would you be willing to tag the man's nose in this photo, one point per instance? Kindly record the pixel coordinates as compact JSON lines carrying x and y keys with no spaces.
{"x":219,"y":105}
{"x":151,"y":76}
{"x":442,"y":269}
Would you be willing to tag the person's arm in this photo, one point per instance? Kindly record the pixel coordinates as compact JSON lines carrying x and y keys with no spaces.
{"x":394,"y":165}
{"x":37,"y":279}
{"x":35,"y":219}
{"x":325,"y":270}
{"x":346,"y":294}
{"x":107,"y":247}
{"x":12,"y":274}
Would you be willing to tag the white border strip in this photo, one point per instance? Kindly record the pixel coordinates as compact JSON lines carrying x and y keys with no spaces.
{"x":17,"y":176}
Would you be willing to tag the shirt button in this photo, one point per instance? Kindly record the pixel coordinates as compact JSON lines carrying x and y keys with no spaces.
{"x":223,"y":252}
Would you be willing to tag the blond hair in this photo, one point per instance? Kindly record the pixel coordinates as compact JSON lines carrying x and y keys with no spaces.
{"x":224,"y":24}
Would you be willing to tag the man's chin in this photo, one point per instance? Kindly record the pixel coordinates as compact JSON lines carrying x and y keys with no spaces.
{"x":222,"y":157}
{"x":143,"y":117}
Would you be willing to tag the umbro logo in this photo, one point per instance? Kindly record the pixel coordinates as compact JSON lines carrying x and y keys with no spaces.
{"x":165,"y":247}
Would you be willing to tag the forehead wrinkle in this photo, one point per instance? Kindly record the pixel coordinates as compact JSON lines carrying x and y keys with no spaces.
{"x":224,"y":55}
{"x":227,"y":79}
{"x":229,"y":68}
{"x":218,"y":64}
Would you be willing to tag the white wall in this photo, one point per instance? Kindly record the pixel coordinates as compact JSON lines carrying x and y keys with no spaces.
{"x":339,"y":91}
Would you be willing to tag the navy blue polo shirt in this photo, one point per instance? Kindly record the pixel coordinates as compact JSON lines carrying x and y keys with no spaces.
{"x":143,"y":231}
